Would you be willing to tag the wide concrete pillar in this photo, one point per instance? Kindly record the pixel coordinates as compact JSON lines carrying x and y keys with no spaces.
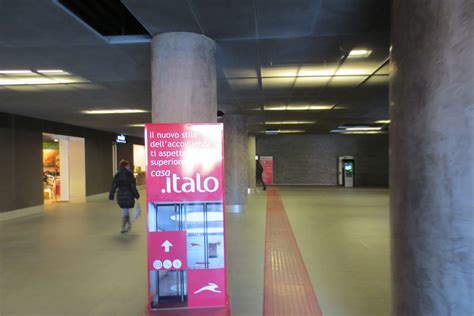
{"x":235,"y":152}
{"x":252,"y":151}
{"x":183,"y":78}
{"x":432,"y":157}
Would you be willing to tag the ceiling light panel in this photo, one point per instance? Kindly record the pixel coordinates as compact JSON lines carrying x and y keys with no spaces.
{"x":316,"y":71}
{"x":360,"y":128}
{"x":45,"y":77}
{"x":311,"y":82}
{"x":297,"y":107}
{"x":278,"y":83}
{"x":274,"y":107}
{"x":346,"y":81}
{"x":360,"y":53}
{"x":15,"y":72}
{"x":316,"y":107}
{"x":344,"y":131}
{"x":51,"y":71}
{"x":288,"y":122}
{"x":114,"y":111}
{"x":350,"y":71}
{"x":286,"y":71}
{"x":291,"y":131}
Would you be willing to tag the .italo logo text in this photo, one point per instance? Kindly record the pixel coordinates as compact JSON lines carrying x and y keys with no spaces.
{"x":176,"y":184}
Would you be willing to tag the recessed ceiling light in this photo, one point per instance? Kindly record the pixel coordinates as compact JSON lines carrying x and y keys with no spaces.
{"x":51,"y":71}
{"x":321,"y":107}
{"x":272,"y":131}
{"x":274,"y":107}
{"x":311,"y":72}
{"x":15,"y":72}
{"x":288,"y":122}
{"x":344,"y":131}
{"x":29,"y":81}
{"x":136,"y":125}
{"x":297,"y":107}
{"x":114,"y":111}
{"x":352,"y":72}
{"x":291,"y":131}
{"x":362,"y":128}
{"x":56,"y":140}
{"x":383,"y":121}
{"x":360,"y":53}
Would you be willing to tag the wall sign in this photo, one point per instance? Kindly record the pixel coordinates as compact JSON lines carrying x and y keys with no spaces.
{"x":121,"y":139}
{"x":185,"y":215}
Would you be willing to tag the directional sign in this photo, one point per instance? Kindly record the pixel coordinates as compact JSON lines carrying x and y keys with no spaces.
{"x":167,"y":250}
{"x":167,"y":245}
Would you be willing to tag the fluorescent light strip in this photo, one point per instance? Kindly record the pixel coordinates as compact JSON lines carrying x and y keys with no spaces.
{"x":16,"y":72}
{"x":292,"y":131}
{"x":343,"y":131}
{"x":362,"y":128}
{"x":360,"y":53}
{"x":383,"y":121}
{"x":272,"y":132}
{"x":136,"y":125}
{"x":288,"y":122}
{"x":320,"y":107}
{"x":114,"y":111}
{"x":297,"y":107}
{"x":51,"y":71}
{"x":31,"y":81}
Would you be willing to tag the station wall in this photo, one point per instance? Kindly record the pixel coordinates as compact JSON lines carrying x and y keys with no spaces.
{"x":312,"y":159}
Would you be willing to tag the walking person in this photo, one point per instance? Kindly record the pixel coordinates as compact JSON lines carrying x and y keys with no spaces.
{"x":259,"y":172}
{"x":124,"y":181}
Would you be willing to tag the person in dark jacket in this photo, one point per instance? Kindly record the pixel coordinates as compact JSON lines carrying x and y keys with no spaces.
{"x":259,"y":172}
{"x":127,"y":193}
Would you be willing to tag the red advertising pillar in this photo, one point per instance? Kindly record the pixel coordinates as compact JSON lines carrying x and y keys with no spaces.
{"x":185,"y":216}
{"x":267,"y":164}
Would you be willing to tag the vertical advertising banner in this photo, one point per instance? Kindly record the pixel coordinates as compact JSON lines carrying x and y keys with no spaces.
{"x":185,"y":215}
{"x":267,"y":164}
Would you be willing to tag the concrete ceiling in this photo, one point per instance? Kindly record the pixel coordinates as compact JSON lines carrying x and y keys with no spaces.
{"x":259,"y":43}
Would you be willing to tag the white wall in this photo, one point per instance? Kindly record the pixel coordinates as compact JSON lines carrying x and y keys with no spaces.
{"x":139,"y":157}
{"x":77,"y":170}
{"x":64,"y":168}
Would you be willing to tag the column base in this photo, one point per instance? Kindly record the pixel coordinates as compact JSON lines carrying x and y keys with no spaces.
{"x":235,"y":208}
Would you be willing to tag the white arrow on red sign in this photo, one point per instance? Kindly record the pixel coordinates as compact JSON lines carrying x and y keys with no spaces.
{"x":166,"y":244}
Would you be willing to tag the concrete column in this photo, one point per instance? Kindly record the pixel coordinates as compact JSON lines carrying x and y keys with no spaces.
{"x":252,"y":151}
{"x":235,"y":152}
{"x":183,"y":78}
{"x":432,"y":157}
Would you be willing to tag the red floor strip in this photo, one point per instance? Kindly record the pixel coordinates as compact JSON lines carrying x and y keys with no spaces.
{"x":288,"y":289}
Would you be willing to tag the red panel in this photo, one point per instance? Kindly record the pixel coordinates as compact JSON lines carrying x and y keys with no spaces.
{"x":184,"y":162}
{"x":185,"y":208}
{"x":206,"y":287}
{"x":267,"y":164}
{"x":288,"y":289}
{"x":167,"y":250}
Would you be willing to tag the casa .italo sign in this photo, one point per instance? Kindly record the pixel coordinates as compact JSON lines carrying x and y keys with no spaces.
{"x":185,"y":215}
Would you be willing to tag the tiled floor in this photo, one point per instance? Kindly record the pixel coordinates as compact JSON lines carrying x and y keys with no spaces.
{"x":73,"y":261}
